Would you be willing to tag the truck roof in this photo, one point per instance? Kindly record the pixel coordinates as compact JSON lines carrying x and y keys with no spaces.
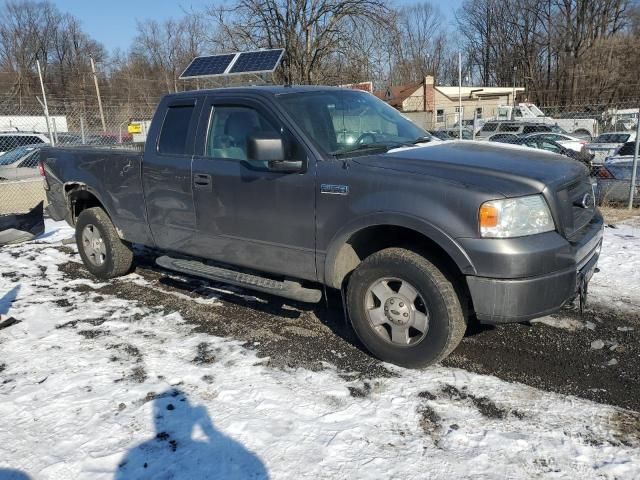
{"x":261,"y":89}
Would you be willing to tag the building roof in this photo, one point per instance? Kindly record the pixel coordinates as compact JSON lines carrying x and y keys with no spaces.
{"x":395,"y":96}
{"x":475,"y":92}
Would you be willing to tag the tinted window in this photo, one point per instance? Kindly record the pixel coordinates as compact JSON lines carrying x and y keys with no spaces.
{"x":627,"y":149}
{"x":535,"y":128}
{"x":612,"y":138}
{"x":31,"y":161}
{"x":509,"y":127}
{"x":231,"y":127}
{"x":175,"y":130}
{"x":489,"y":127}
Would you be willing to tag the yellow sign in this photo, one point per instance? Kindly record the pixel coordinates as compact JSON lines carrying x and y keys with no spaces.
{"x":134,"y":128}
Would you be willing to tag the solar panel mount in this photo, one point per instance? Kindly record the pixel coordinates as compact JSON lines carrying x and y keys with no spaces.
{"x":240,"y":63}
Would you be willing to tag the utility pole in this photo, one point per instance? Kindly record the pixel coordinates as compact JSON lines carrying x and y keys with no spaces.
{"x":515,"y":69}
{"x":95,"y":80}
{"x":634,"y":170}
{"x":460,"y":95}
{"x":45,"y":106}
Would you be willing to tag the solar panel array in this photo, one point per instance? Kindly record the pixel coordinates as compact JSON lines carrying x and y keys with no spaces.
{"x":213,"y":65}
{"x":260,"y":61}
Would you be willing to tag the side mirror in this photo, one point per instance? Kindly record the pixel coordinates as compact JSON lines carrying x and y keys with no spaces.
{"x":270,"y":149}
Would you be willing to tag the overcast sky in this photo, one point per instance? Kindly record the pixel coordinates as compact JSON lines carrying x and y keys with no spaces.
{"x":112,"y":22}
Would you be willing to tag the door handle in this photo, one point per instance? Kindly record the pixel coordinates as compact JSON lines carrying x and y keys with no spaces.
{"x":202,"y":180}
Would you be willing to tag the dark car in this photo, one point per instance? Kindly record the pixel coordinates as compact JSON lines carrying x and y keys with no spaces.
{"x":260,"y":187}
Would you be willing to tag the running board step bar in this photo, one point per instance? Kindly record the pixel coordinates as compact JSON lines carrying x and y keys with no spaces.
{"x":286,"y":289}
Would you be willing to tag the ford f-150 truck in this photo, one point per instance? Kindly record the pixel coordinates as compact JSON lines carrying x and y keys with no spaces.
{"x":295,"y":190}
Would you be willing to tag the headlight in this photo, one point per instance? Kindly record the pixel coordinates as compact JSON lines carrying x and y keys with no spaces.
{"x":515,"y":217}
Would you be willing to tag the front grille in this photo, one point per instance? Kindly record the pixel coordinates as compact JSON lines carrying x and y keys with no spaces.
{"x":572,"y":200}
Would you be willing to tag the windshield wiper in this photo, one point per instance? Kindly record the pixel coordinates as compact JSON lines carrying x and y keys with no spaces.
{"x":423,"y":139}
{"x":382,"y":146}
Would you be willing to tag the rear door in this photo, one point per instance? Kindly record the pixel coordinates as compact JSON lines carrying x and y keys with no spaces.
{"x":247,"y":214}
{"x":167,"y":174}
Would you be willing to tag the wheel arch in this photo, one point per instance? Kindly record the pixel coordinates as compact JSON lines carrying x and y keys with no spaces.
{"x":360,"y":239}
{"x":81,"y":196}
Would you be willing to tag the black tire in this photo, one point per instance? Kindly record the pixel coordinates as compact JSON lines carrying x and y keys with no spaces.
{"x":446,"y":324}
{"x":118,"y":257}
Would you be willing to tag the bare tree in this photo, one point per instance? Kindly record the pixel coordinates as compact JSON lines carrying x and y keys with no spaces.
{"x":311,"y":32}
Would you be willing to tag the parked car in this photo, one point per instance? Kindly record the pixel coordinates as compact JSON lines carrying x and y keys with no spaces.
{"x":417,"y":235}
{"x":542,"y":143}
{"x":11,"y":140}
{"x":68,"y":139}
{"x":614,"y":177}
{"x":454,"y":133}
{"x":440,"y":134}
{"x":567,"y":141}
{"x":20,"y":163}
{"x":606,"y":144}
{"x":504,"y":138}
{"x":515,"y":128}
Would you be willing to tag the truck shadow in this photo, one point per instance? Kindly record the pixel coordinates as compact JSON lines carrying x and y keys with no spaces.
{"x":174,"y":453}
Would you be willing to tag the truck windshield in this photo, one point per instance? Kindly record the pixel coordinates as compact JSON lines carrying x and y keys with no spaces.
{"x":349,"y":122}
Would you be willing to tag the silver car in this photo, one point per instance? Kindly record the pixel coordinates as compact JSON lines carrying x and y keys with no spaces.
{"x":606,"y":145}
{"x":614,"y":177}
{"x":20,"y":163}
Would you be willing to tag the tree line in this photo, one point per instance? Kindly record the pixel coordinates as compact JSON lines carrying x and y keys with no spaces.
{"x":565,"y":52}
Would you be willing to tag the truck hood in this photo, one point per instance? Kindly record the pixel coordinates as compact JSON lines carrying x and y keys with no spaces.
{"x":504,"y":169}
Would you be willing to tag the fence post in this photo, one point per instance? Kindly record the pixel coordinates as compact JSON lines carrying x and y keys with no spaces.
{"x":632,"y":187}
{"x":84,"y":140}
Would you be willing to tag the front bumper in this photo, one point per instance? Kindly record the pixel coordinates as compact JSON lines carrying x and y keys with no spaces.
{"x":508,"y":300}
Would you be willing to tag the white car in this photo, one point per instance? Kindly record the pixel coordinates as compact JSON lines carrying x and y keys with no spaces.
{"x":20,"y":163}
{"x":11,"y":140}
{"x":606,"y":145}
{"x":567,"y":141}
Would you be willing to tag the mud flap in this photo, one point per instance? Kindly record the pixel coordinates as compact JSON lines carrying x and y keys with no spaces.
{"x":22,"y":227}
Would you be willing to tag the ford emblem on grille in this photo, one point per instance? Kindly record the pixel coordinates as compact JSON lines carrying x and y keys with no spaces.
{"x":587,"y":201}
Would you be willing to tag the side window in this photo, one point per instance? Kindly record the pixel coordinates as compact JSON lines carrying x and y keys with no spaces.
{"x":509,"y":127}
{"x":230,"y":127}
{"x":550,"y":147}
{"x":175,"y":130}
{"x":31,"y":161}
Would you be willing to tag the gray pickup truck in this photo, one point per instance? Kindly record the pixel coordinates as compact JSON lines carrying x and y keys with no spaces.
{"x":293,"y":190}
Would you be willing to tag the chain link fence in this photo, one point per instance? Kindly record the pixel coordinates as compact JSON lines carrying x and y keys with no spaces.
{"x":25,"y":129}
{"x":602,"y":136}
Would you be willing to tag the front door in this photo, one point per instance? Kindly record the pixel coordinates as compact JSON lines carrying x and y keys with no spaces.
{"x":246,"y":214}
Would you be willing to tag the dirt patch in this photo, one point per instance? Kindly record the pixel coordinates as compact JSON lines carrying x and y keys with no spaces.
{"x":485,"y":406}
{"x":292,"y":335}
{"x":360,"y":391}
{"x":626,"y":427}
{"x":430,"y":422}
{"x":204,"y":354}
{"x":90,"y":334}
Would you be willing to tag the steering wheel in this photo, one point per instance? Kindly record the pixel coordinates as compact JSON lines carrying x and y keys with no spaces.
{"x":361,"y":138}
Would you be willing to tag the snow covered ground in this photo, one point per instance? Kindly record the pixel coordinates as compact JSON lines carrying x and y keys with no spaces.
{"x":96,"y":386}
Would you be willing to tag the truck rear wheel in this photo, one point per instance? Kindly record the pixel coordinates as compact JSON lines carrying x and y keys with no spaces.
{"x":403,"y":309}
{"x":101,"y":250}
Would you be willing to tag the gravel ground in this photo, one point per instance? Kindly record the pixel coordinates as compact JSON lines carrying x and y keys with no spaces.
{"x":593,"y":356}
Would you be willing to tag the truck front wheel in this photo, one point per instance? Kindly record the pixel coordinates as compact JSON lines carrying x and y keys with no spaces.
{"x":403,"y":309}
{"x":101,"y":250}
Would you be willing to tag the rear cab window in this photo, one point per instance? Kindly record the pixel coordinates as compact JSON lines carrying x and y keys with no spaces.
{"x":176,"y":127}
